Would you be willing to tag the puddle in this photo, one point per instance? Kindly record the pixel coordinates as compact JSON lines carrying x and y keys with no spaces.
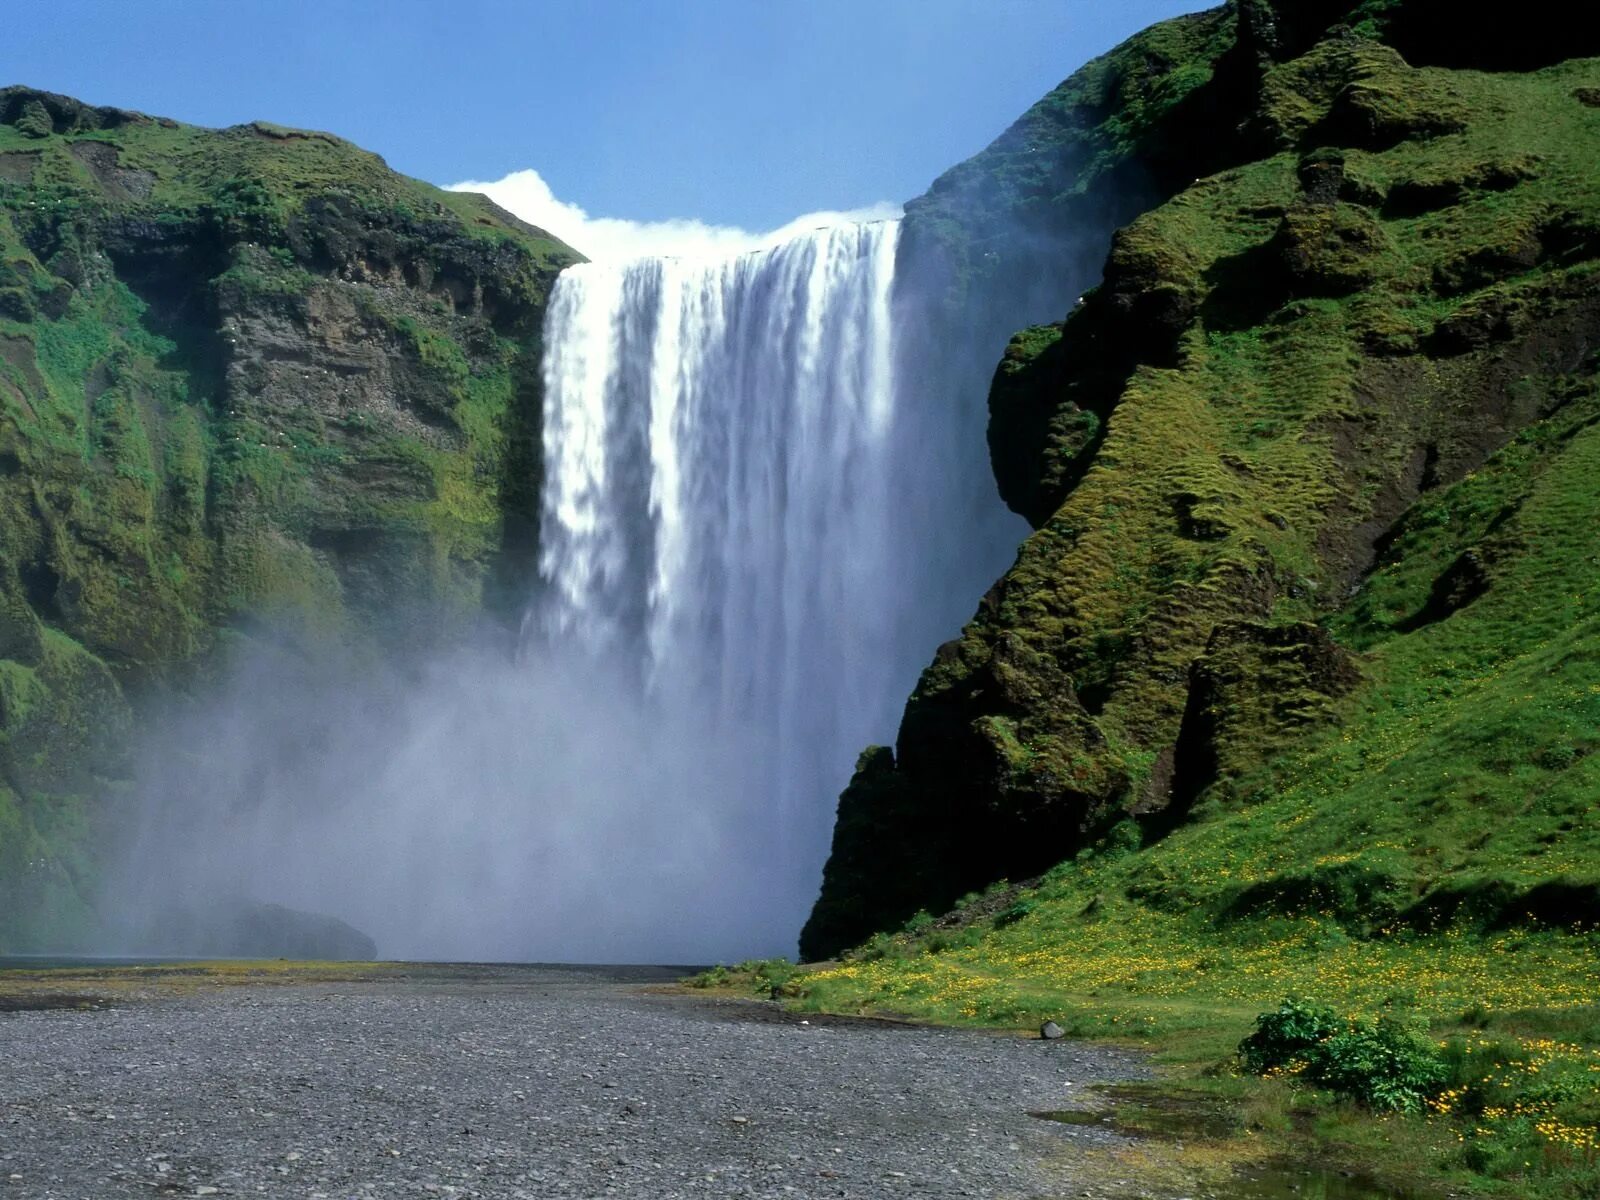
{"x":1289,"y":1183}
{"x":1140,"y":1113}
{"x":1076,"y":1116}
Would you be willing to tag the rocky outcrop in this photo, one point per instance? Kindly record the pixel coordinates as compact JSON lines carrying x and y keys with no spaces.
{"x":1252,"y":690}
{"x":252,"y":384}
{"x":1373,"y":271}
{"x":233,"y":927}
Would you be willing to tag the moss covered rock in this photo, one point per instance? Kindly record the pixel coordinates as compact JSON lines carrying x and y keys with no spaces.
{"x":1379,"y":272}
{"x":251,"y":382}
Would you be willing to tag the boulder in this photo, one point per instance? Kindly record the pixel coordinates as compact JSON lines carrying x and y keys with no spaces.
{"x":237,"y":927}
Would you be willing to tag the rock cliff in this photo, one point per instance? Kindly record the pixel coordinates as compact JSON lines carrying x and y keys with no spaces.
{"x":1354,"y":259}
{"x":252,"y":383}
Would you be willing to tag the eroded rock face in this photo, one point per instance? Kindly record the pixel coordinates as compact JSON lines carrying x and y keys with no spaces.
{"x":1254,"y":688}
{"x":251,"y":382}
{"x":1332,"y":249}
{"x":1383,"y":275}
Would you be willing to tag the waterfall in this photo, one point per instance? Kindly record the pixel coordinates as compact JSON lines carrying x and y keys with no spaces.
{"x":740,"y":512}
{"x":753,"y":535}
{"x":719,"y":442}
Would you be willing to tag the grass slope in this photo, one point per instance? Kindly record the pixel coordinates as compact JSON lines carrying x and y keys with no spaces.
{"x":1301,"y":671}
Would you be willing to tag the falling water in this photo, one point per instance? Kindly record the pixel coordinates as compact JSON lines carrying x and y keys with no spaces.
{"x":719,"y":446}
{"x":752,"y":539}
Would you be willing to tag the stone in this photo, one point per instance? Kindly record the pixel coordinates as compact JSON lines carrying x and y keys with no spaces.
{"x":1050,"y":1031}
{"x":241,"y":927}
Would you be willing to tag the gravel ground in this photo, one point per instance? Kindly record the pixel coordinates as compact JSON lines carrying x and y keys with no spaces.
{"x":525,"y":1082}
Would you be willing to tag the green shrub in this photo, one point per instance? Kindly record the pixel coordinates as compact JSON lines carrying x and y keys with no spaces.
{"x":1014,"y":913}
{"x":758,"y":976}
{"x":1283,"y":1039}
{"x":712,"y":977}
{"x":34,"y":120}
{"x":919,"y":923}
{"x":1386,"y":1065}
{"x":767,"y":974}
{"x":1124,"y":837}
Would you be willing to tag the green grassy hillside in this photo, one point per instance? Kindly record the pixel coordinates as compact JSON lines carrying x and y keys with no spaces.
{"x":1235,"y":451}
{"x":1294,"y":689}
{"x":251,"y":382}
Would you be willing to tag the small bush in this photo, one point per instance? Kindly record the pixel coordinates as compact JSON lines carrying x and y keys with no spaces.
{"x":713,"y":977}
{"x":1014,"y":913}
{"x":1124,"y":837}
{"x":1283,"y":1039}
{"x":919,"y":923}
{"x":34,"y":120}
{"x":878,"y":946}
{"x":941,"y":940}
{"x":1386,"y":1065}
{"x":759,"y":976}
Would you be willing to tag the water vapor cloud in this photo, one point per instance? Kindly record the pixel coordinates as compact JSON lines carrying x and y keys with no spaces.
{"x":617,"y":239}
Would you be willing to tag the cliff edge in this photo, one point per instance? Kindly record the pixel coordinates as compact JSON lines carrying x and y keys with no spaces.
{"x":252,"y":384}
{"x":1306,"y":471}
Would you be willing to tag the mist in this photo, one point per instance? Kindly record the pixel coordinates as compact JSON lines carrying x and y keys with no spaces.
{"x":752,"y":539}
{"x":618,"y":239}
{"x":481,"y":806}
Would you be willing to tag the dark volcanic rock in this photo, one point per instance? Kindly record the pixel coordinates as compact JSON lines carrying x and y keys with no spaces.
{"x":240,"y":928}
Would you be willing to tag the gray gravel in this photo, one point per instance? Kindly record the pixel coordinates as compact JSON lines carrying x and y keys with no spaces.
{"x":525,"y":1082}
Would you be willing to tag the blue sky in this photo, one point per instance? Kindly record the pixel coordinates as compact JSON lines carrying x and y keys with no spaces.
{"x":731,"y":112}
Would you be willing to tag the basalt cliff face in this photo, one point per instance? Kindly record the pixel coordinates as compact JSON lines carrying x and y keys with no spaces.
{"x":253,"y":386}
{"x":1318,"y":435}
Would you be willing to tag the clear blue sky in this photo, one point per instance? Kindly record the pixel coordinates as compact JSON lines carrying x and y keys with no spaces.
{"x":744,"y":112}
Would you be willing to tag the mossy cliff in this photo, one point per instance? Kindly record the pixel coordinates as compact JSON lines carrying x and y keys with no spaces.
{"x":252,"y":383}
{"x":1307,"y":470}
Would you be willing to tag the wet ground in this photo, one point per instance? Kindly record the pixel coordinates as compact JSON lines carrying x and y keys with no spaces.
{"x":1149,"y":1113}
{"x":328,"y":1081}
